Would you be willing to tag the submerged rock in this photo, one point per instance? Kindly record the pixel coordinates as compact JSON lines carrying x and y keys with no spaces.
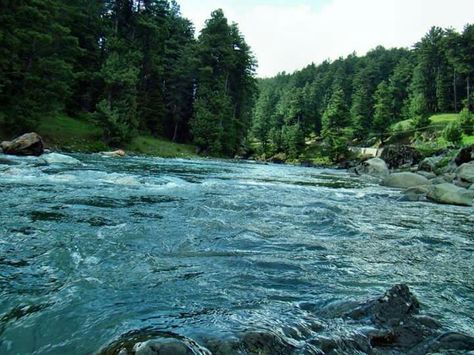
{"x":450,"y":194}
{"x":374,"y":167}
{"x":55,"y":158}
{"x":405,"y":180}
{"x":27,"y":144}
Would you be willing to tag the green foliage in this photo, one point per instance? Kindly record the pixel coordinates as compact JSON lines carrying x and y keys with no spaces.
{"x":383,"y":115}
{"x":335,"y":146}
{"x":453,"y":133}
{"x":336,"y":115}
{"x":226,"y":88}
{"x":419,"y":112}
{"x":466,"y":120}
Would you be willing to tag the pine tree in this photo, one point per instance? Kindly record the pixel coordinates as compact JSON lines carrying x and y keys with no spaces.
{"x":383,"y":115}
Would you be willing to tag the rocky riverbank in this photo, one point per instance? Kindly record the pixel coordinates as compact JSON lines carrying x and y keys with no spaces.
{"x":390,"y":324}
{"x":445,"y":178}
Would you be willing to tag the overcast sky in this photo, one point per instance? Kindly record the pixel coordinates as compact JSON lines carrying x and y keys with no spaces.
{"x":286,"y":35}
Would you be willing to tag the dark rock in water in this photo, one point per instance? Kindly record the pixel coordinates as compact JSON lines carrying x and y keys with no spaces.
{"x":149,"y":342}
{"x":396,"y":305}
{"x":452,"y":341}
{"x":397,"y":156}
{"x":27,"y":144}
{"x":265,"y":343}
{"x":465,"y":155}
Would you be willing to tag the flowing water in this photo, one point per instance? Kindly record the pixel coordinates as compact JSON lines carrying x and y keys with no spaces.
{"x":203,"y":248}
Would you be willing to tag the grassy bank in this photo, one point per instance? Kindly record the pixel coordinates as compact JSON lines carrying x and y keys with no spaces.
{"x":437,"y":125}
{"x":65,"y":133}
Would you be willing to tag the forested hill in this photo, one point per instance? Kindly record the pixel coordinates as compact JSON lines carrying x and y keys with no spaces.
{"x":130,"y":66}
{"x":357,"y":99}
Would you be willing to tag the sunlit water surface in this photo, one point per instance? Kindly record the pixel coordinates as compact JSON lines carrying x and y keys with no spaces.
{"x":200,"y":247}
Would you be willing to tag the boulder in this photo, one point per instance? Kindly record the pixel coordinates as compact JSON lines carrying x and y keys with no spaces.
{"x":405,"y":180}
{"x":373,"y":167}
{"x":450,"y":194}
{"x":465,"y":155}
{"x":417,"y":193}
{"x":55,"y":158}
{"x":430,"y":164}
{"x":114,"y":154}
{"x":397,"y":156}
{"x":466,"y":172}
{"x":27,"y":144}
{"x":427,"y":174}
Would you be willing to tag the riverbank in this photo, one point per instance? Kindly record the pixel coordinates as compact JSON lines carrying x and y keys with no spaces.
{"x":68,"y":134}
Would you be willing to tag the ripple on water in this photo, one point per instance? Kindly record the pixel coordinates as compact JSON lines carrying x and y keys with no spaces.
{"x":213,"y":255}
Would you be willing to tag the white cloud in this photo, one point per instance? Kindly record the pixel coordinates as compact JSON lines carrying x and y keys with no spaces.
{"x":286,"y":37}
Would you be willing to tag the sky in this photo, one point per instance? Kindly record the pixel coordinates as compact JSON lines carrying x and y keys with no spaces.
{"x":287,"y":35}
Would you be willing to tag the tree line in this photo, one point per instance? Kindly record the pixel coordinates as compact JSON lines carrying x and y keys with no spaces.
{"x":358,"y":98}
{"x":133,"y":66}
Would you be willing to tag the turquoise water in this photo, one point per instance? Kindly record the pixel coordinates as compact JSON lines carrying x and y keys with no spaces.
{"x":203,"y":248}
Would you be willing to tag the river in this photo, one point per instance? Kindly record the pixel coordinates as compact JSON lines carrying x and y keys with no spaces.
{"x":200,"y":248}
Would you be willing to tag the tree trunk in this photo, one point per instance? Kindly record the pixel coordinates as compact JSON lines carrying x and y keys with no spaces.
{"x":175,"y":134}
{"x":468,"y":87}
{"x":455,"y":92}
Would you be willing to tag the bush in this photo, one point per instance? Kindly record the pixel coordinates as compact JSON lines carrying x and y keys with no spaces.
{"x":467,"y":121}
{"x":453,"y":133}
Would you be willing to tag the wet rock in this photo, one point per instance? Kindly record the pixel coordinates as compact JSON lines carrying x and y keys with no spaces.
{"x":416,"y":193}
{"x":55,"y":158}
{"x":27,"y":144}
{"x":405,"y":180}
{"x":394,"y":306}
{"x":162,"y":347}
{"x":465,"y":172}
{"x":264,"y":343}
{"x":149,"y":342}
{"x":465,"y":155}
{"x":373,"y":167}
{"x":397,"y":156}
{"x":453,"y":341}
{"x":450,"y":194}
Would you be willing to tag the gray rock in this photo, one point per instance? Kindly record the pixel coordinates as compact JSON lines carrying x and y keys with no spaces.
{"x":450,"y":194}
{"x":374,"y":167}
{"x":55,"y":158}
{"x":461,"y":183}
{"x":417,"y":193}
{"x":427,"y":174}
{"x":438,"y":180}
{"x":449,"y":177}
{"x":27,"y":144}
{"x":430,"y":164}
{"x":405,"y":180}
{"x":466,"y":172}
{"x":162,"y":347}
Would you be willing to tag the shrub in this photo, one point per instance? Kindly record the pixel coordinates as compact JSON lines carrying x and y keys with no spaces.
{"x":453,"y":133}
{"x":467,"y":121}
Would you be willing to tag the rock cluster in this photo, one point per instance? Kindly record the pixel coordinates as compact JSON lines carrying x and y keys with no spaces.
{"x":389,"y":324}
{"x":439,"y":179}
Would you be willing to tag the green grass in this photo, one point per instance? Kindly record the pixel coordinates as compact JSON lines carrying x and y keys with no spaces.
{"x":160,"y":147}
{"x":82,"y":135}
{"x":438,"y":123}
{"x":71,"y":134}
